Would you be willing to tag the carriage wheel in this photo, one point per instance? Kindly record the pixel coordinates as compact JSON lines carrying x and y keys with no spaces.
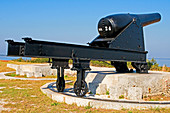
{"x":80,"y":91}
{"x":60,"y":84}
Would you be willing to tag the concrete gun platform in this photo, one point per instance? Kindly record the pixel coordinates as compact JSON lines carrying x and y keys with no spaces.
{"x":101,"y":80}
{"x":129,"y":85}
{"x":96,"y":101}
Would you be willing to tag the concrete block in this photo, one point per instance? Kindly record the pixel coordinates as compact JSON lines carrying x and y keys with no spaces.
{"x":18,"y":69}
{"x":30,"y":74}
{"x":44,"y":69}
{"x":53,"y":71}
{"x":26,"y":68}
{"x":70,"y":72}
{"x":135,"y":93}
{"x":101,"y":90}
{"x":14,"y":66}
{"x":114,"y":93}
{"x":38,"y":74}
{"x":22,"y":73}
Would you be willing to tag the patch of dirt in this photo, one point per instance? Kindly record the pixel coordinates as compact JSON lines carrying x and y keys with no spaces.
{"x":2,"y":87}
{"x":2,"y":103}
{"x":160,"y":97}
{"x":33,"y":96}
{"x":19,"y":87}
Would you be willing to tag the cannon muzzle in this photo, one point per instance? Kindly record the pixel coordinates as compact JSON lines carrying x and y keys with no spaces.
{"x":111,"y":25}
{"x":147,"y":19}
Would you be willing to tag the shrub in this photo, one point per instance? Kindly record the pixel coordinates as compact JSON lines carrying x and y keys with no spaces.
{"x":37,"y":60}
{"x":101,"y":63}
{"x":19,"y":60}
{"x":70,"y":61}
{"x":153,"y":65}
{"x":40,"y":60}
{"x":129,"y":65}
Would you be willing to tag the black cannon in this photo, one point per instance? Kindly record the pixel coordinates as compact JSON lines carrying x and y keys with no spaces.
{"x":124,"y":31}
{"x":120,"y":41}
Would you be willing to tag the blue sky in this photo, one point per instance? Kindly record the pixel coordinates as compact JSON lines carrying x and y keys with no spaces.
{"x":75,"y":21}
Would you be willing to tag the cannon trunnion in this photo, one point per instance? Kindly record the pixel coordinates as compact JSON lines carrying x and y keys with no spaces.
{"x":120,"y":41}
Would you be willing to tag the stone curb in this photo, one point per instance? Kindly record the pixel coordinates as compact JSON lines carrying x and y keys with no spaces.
{"x":99,"y":103}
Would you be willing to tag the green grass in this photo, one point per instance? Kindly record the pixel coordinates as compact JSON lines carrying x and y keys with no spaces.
{"x":88,"y":107}
{"x":130,"y":112}
{"x":66,"y":77}
{"x":107,"y":92}
{"x":29,"y":98}
{"x":26,"y":96}
{"x":121,"y":97}
{"x":15,"y":75}
{"x":157,"y":109}
{"x":154,"y":100}
{"x":55,"y":104}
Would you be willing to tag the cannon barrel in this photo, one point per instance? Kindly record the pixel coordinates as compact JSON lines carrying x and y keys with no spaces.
{"x":111,"y":25}
{"x":147,"y":19}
